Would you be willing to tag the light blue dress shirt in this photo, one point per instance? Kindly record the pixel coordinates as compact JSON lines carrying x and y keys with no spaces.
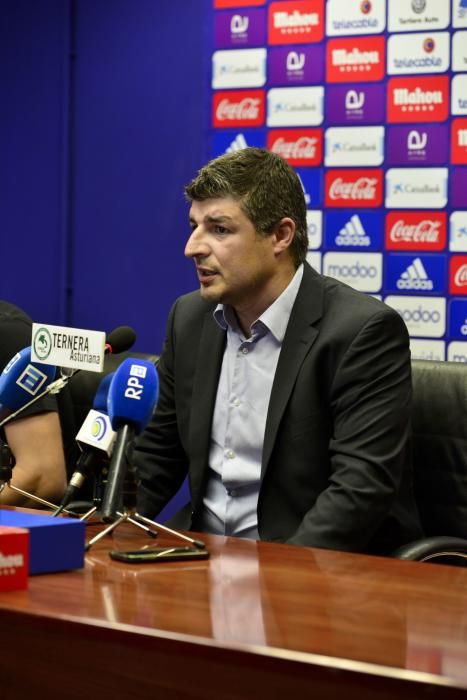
{"x":237,"y":435}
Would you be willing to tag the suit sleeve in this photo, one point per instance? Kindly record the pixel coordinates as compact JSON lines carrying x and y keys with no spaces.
{"x":158,"y":453}
{"x":370,"y":442}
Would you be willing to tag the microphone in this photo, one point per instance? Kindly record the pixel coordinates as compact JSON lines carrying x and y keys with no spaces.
{"x":21,"y":383}
{"x":133,"y":395}
{"x":120,"y":340}
{"x":96,"y":439}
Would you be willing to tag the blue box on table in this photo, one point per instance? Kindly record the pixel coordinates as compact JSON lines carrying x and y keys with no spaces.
{"x":55,"y":544}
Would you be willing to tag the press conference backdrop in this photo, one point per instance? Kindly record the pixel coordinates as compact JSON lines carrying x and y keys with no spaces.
{"x":109,"y":108}
{"x":367,"y":99}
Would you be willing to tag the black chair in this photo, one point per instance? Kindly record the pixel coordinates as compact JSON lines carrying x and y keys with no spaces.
{"x":439,"y":423}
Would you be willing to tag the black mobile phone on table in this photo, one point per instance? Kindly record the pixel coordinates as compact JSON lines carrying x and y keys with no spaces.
{"x":155,"y":554}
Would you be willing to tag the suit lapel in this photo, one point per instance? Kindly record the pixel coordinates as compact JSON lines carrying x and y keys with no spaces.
{"x":208,"y":366}
{"x":299,"y":338}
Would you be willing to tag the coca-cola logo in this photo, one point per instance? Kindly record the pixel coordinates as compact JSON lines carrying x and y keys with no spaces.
{"x":425,"y":231}
{"x":460,"y":278}
{"x":304,"y":147}
{"x":363,"y":188}
{"x":246,"y":109}
{"x":238,"y":108}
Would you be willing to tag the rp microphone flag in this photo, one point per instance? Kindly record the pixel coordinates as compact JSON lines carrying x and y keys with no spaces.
{"x":133,"y":395}
{"x":22,"y":381}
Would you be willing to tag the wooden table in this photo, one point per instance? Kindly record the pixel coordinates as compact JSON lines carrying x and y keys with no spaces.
{"x":256,"y":620}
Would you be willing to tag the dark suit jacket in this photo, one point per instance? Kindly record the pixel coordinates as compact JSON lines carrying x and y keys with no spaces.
{"x":336,"y":466}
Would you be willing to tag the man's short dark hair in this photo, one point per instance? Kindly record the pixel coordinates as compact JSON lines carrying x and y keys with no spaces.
{"x":266,"y":187}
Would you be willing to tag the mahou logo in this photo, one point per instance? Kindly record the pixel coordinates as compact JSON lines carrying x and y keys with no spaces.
{"x":418,"y":99}
{"x":458,"y":275}
{"x":459,"y":142}
{"x":300,"y":147}
{"x":416,"y":230}
{"x":354,"y":188}
{"x":298,"y":22}
{"x":355,"y":59}
{"x":234,"y":108}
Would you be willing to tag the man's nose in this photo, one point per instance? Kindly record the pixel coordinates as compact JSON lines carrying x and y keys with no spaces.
{"x":196,"y":244}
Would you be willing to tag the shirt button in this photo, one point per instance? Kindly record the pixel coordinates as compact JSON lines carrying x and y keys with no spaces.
{"x":232,"y":492}
{"x":230,"y":454}
{"x":245,"y":351}
{"x":235,"y":402}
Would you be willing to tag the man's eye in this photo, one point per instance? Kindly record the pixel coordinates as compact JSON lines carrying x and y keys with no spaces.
{"x":220,"y":229}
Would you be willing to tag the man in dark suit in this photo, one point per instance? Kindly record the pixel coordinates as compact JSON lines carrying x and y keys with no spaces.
{"x":285,"y":395}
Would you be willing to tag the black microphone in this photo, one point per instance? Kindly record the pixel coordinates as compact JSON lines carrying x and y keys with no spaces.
{"x":120,"y":340}
{"x":132,"y":398}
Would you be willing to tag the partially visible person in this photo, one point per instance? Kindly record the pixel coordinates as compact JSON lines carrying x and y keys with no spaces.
{"x":35,"y":437}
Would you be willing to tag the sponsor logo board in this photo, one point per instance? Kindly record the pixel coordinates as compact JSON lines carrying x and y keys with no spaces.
{"x":459,"y":94}
{"x":296,"y":22}
{"x":240,"y":28}
{"x":418,"y":53}
{"x":417,"y":15}
{"x":458,"y":319}
{"x":427,"y":349}
{"x":459,"y":51}
{"x":457,"y":351}
{"x":314,"y":259}
{"x":359,"y":104}
{"x":362,"y":271}
{"x":358,"y":231}
{"x":234,"y":108}
{"x":415,"y":274}
{"x":295,"y":106}
{"x":302,"y":65}
{"x":417,"y":145}
{"x":231,"y":140}
{"x":458,"y":194}
{"x":300,"y":147}
{"x":355,"y":145}
{"x":418,"y":99}
{"x":459,"y":141}
{"x":349,"y":188}
{"x":241,"y":68}
{"x":423,"y":316}
{"x":355,"y":59}
{"x":406,"y":230}
{"x":364,"y":17}
{"x":314,"y":223}
{"x":458,"y":275}
{"x":458,"y":232}
{"x":416,"y":188}
{"x":312,"y":183}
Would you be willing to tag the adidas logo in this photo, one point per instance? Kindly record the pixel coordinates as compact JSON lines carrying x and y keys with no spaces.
{"x":415,"y":277}
{"x":353,"y":233}
{"x":237,"y":144}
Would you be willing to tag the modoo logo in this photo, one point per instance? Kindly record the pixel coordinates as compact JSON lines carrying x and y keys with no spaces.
{"x":363,"y":272}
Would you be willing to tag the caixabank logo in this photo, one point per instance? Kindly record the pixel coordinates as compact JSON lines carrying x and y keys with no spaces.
{"x":415,"y":274}
{"x":420,"y":99}
{"x":296,"y":22}
{"x":300,"y":147}
{"x":405,"y":230}
{"x":355,"y":59}
{"x":359,"y":188}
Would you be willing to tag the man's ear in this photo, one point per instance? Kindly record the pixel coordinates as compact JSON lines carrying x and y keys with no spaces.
{"x":283,"y":234}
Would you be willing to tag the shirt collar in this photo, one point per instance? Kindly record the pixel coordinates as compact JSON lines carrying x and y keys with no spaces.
{"x":275,"y":318}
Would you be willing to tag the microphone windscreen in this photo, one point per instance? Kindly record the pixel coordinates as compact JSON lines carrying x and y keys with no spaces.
{"x":120,"y":339}
{"x":133,"y":394}
{"x":22,"y":380}
{"x":102,"y":393}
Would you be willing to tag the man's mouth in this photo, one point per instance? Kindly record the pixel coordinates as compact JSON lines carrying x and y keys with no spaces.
{"x":205,"y":274}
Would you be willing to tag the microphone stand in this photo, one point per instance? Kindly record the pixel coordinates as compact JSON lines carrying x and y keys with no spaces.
{"x":129,"y":514}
